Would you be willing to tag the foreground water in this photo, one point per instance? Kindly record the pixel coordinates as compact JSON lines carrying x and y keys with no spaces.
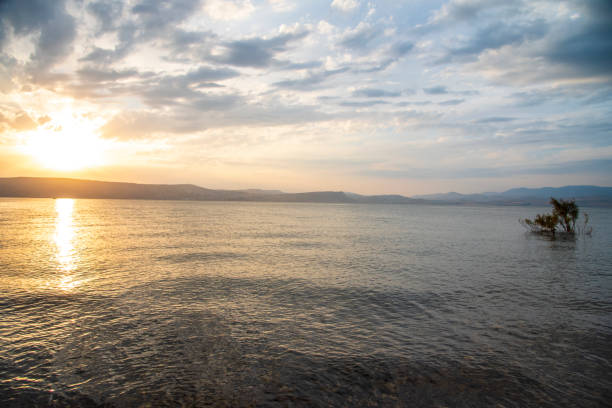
{"x":131,"y":303}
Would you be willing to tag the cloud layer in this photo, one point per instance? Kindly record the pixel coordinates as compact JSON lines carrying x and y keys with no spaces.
{"x":393,"y":97}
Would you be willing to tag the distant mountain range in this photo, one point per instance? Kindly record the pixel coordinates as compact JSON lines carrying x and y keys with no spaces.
{"x":584,"y":195}
{"x":75,"y":188}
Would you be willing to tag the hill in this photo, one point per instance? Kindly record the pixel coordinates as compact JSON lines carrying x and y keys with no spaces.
{"x":76,"y":188}
{"x":590,"y":196}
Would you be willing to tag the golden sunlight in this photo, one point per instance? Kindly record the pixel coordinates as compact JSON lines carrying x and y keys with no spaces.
{"x":64,"y":241}
{"x":64,"y":233}
{"x":66,"y":143}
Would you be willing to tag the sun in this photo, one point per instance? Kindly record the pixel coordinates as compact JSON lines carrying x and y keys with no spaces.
{"x":67,"y":143}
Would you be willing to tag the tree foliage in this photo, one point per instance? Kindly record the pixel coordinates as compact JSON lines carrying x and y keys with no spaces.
{"x":563,"y":219}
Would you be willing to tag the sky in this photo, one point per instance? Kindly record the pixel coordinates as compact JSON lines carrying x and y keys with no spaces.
{"x":373,"y":97}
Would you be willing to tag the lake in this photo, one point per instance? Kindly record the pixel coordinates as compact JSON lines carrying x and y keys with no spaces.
{"x":164,"y":303}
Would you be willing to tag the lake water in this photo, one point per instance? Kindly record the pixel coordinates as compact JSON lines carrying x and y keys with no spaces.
{"x":165,"y":303}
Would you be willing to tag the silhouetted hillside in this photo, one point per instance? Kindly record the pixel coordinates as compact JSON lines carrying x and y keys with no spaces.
{"x":75,"y":188}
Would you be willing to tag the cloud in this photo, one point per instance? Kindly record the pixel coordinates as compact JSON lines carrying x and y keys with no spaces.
{"x":569,"y":41}
{"x":229,"y":9}
{"x":17,"y":121}
{"x":186,"y":90}
{"x":127,"y":40}
{"x":596,"y":166}
{"x":282,"y":5}
{"x":436,"y":90}
{"x":291,"y":66}
{"x":375,"y":93}
{"x":206,"y":74}
{"x":154,"y":16}
{"x":345,"y":5}
{"x":107,"y":13}
{"x":254,"y":52}
{"x":496,"y":119}
{"x":98,"y":75}
{"x":451,"y":102}
{"x":147,"y":20}
{"x":139,"y":125}
{"x":495,"y":36}
{"x":310,"y":82}
{"x":466,"y":10}
{"x":189,"y":46}
{"x":187,"y":119}
{"x":56,"y":29}
{"x":584,"y":94}
{"x":401,"y":48}
{"x":361,"y":36}
{"x":176,"y":74}
{"x":23,"y":122}
{"x":366,"y":104}
{"x":587,"y":47}
{"x":374,"y":66}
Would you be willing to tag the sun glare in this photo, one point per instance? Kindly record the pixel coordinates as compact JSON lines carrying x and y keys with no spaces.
{"x":65,"y":144}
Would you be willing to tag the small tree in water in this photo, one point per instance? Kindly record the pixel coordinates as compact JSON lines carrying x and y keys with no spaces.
{"x":564,"y":215}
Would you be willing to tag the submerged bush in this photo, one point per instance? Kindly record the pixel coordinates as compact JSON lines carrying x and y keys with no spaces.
{"x":563,"y":217}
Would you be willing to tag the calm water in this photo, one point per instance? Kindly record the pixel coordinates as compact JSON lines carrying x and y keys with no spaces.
{"x":149,"y":303}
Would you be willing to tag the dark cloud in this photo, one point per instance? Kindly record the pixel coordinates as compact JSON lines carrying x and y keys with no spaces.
{"x":436,"y":90}
{"x":127,"y":39}
{"x":101,"y":56}
{"x":190,"y":46}
{"x":181,"y":39}
{"x":585,"y":94}
{"x":50,"y":19}
{"x":185,"y":90}
{"x":156,"y":90}
{"x":577,"y":45}
{"x":377,"y":66}
{"x":375,"y":93}
{"x":461,"y":10}
{"x":401,"y":48}
{"x":495,"y":36}
{"x":147,"y":20}
{"x":588,"y":47}
{"x":107,"y":13}
{"x":495,"y":119}
{"x":255,"y":52}
{"x":154,"y":16}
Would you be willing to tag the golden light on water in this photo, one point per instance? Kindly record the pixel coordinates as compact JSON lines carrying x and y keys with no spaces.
{"x":64,"y":237}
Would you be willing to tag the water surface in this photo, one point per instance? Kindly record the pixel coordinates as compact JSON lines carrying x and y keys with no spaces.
{"x":165,"y":303}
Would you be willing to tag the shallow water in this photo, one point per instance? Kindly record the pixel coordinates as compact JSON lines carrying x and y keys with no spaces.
{"x":165,"y":303}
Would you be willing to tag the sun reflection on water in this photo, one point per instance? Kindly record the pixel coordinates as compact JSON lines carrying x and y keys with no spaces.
{"x":64,"y":238}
